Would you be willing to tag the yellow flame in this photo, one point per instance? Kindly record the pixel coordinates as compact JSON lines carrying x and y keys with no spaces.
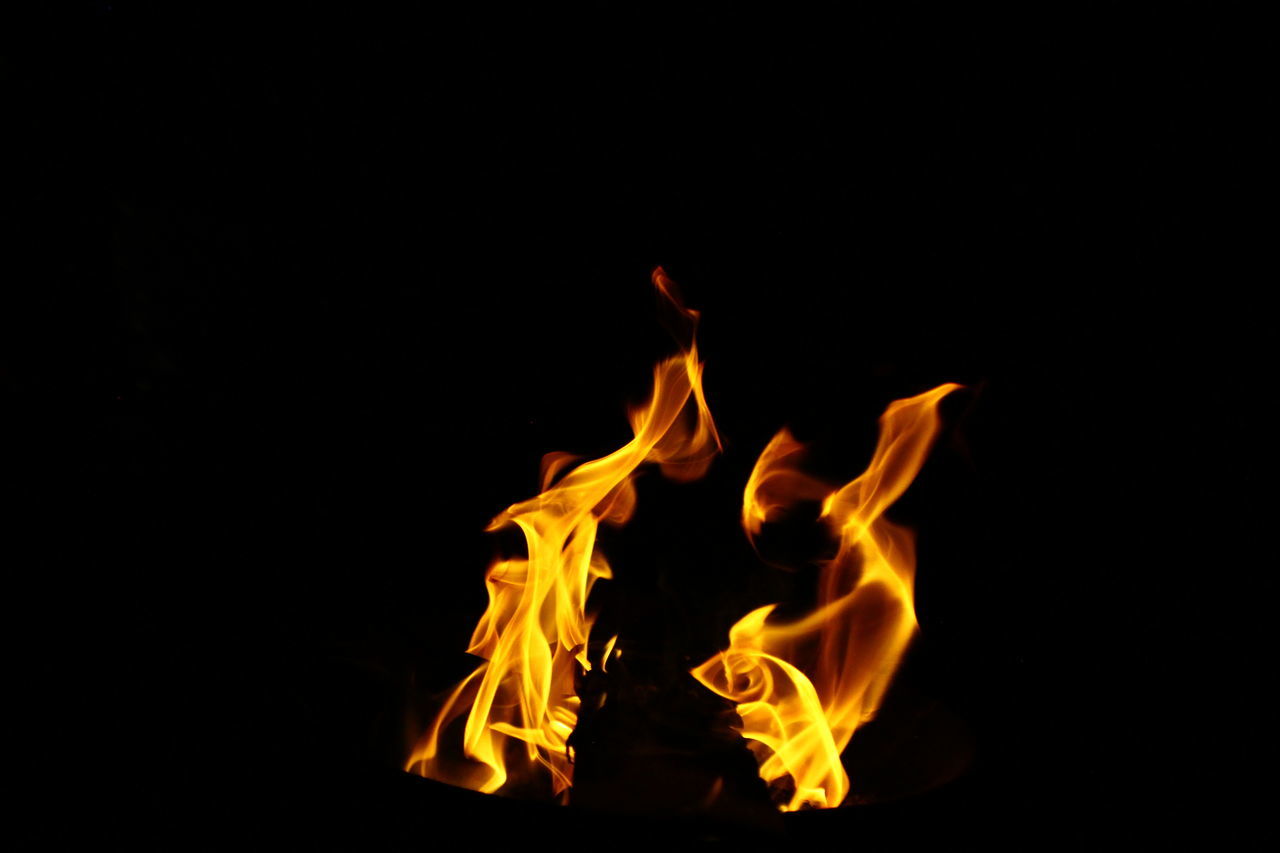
{"x":608,"y":650}
{"x":803,"y":688}
{"x":520,"y":704}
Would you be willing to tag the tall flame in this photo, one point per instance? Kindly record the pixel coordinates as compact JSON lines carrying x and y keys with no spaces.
{"x":803,"y":688}
{"x":520,"y":703}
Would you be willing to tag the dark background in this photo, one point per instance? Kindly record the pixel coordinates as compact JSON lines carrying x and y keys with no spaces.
{"x":324,"y":288}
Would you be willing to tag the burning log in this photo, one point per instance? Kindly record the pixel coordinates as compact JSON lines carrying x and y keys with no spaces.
{"x":651,"y":741}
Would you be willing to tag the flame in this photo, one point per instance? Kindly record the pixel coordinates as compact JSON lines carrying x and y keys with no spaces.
{"x":608,"y":650}
{"x":520,"y":703}
{"x":803,"y":688}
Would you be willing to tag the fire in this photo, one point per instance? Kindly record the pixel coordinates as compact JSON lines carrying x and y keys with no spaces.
{"x":520,"y":705}
{"x":803,"y":688}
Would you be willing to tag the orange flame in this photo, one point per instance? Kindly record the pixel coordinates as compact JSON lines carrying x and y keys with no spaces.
{"x":520,"y":704}
{"x":803,"y":688}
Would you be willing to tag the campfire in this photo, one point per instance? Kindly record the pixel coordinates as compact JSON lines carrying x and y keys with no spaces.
{"x":798,"y":687}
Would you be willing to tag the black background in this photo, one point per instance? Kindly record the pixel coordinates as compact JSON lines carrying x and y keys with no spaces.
{"x":324,"y":287}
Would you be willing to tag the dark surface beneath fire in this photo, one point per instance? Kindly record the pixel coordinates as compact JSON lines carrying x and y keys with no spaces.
{"x":326,"y":289}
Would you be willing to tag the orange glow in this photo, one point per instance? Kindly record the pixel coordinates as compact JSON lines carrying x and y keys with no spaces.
{"x":803,"y":688}
{"x":519,"y":704}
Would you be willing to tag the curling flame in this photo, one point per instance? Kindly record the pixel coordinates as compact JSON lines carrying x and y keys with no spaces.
{"x":803,"y":688}
{"x":520,"y":704}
